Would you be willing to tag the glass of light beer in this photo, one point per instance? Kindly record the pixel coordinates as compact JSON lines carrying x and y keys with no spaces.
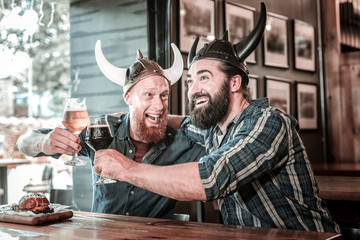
{"x":99,"y":136}
{"x":75,"y":118}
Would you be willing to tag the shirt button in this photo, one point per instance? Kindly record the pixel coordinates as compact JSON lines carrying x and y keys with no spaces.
{"x":132,"y":192}
{"x":127,"y":213}
{"x":130,"y":151}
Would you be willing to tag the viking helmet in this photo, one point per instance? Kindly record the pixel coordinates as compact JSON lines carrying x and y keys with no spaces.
{"x":233,"y":54}
{"x":139,"y":70}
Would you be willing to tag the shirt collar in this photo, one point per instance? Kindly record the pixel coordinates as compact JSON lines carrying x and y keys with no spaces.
{"x":123,"y":132}
{"x":257,"y":103}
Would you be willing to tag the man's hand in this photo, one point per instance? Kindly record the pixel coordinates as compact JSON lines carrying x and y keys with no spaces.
{"x":60,"y":141}
{"x":109,"y":163}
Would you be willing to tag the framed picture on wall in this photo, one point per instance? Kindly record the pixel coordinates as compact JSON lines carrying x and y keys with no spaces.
{"x":304,"y":46}
{"x":197,"y":19}
{"x":253,"y":80}
{"x":239,"y":23}
{"x":277,"y":90}
{"x":184,"y":98}
{"x":306,"y":105}
{"x":276,"y":41}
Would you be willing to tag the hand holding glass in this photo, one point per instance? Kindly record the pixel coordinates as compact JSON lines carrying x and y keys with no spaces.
{"x":75,"y":118}
{"x":98,"y":136}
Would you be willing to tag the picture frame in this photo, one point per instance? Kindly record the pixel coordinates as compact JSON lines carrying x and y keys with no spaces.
{"x":307,"y":105}
{"x":304,"y":46}
{"x":184,"y":97}
{"x":275,"y":41}
{"x":277,"y":90}
{"x":197,"y":19}
{"x":253,"y":86}
{"x":239,"y":23}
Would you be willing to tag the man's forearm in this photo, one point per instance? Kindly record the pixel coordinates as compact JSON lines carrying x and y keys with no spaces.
{"x":30,"y":144}
{"x":181,"y":182}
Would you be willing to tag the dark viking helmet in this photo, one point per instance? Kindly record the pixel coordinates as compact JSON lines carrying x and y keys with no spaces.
{"x":233,"y":54}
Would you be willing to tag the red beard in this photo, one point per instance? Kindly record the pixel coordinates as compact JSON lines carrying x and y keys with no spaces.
{"x":148,"y":134}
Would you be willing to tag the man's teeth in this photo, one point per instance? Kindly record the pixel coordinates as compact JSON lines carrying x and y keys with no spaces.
{"x":153,"y":117}
{"x":199,"y":101}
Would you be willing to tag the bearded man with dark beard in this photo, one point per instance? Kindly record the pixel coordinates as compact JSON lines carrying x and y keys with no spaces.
{"x":142,"y":136}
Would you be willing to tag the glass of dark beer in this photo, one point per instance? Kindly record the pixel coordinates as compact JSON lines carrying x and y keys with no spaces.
{"x":75,"y":118}
{"x":98,"y":136}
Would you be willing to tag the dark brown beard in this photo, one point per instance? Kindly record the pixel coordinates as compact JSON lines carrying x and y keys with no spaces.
{"x":148,"y":134}
{"x":208,"y":116}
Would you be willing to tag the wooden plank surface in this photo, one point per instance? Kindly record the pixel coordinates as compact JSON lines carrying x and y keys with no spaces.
{"x":337,"y":169}
{"x":35,"y":219}
{"x":344,"y":188}
{"x":85,"y":225}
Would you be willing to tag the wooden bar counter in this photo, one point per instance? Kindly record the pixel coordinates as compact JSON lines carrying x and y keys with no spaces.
{"x":85,"y":225}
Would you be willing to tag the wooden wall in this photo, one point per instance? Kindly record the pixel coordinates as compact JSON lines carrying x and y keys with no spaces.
{"x":342,"y":75}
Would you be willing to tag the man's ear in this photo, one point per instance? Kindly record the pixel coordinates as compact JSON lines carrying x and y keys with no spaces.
{"x":235,"y":83}
{"x":128,"y":99}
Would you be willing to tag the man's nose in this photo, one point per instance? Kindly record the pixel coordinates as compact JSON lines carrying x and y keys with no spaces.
{"x":158,"y":103}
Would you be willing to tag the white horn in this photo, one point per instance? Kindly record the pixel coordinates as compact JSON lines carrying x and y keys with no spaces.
{"x":115,"y":74}
{"x":174,"y":73}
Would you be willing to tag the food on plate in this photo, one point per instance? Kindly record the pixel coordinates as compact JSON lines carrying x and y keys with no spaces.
{"x":35,"y":202}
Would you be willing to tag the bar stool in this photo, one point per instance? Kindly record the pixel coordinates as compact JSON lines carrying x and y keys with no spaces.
{"x":181,"y":217}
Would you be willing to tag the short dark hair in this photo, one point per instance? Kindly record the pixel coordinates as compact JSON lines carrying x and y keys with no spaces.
{"x":230,"y":71}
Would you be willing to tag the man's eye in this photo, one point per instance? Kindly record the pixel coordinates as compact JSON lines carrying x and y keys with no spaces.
{"x":203,"y":78}
{"x":148,"y":94}
{"x":165,"y":96}
{"x":188,"y":81}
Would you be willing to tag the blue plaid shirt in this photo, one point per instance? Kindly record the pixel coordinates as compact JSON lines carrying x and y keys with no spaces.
{"x":260,"y":173}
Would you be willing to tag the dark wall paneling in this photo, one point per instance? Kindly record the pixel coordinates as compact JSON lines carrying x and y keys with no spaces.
{"x":121,"y":26}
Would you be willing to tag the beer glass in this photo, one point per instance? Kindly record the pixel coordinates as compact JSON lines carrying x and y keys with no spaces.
{"x":98,"y":136}
{"x":75,"y":118}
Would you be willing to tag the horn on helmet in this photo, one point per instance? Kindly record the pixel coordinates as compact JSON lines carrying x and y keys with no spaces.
{"x":139,"y":55}
{"x":115,"y":74}
{"x":192,"y":52}
{"x":248,"y":45}
{"x":175,"y":71}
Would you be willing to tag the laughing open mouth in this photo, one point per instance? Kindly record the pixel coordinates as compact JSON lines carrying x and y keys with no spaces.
{"x":200,"y":101}
{"x":153,"y":117}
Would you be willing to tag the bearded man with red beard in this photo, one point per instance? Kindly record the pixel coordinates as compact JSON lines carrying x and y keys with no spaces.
{"x":141,"y":136}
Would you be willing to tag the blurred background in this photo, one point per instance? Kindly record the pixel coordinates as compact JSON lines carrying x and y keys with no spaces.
{"x":34,"y":80}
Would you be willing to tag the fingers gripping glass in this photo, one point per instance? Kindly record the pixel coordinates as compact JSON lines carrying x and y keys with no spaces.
{"x":75,"y":118}
{"x":98,"y":136}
